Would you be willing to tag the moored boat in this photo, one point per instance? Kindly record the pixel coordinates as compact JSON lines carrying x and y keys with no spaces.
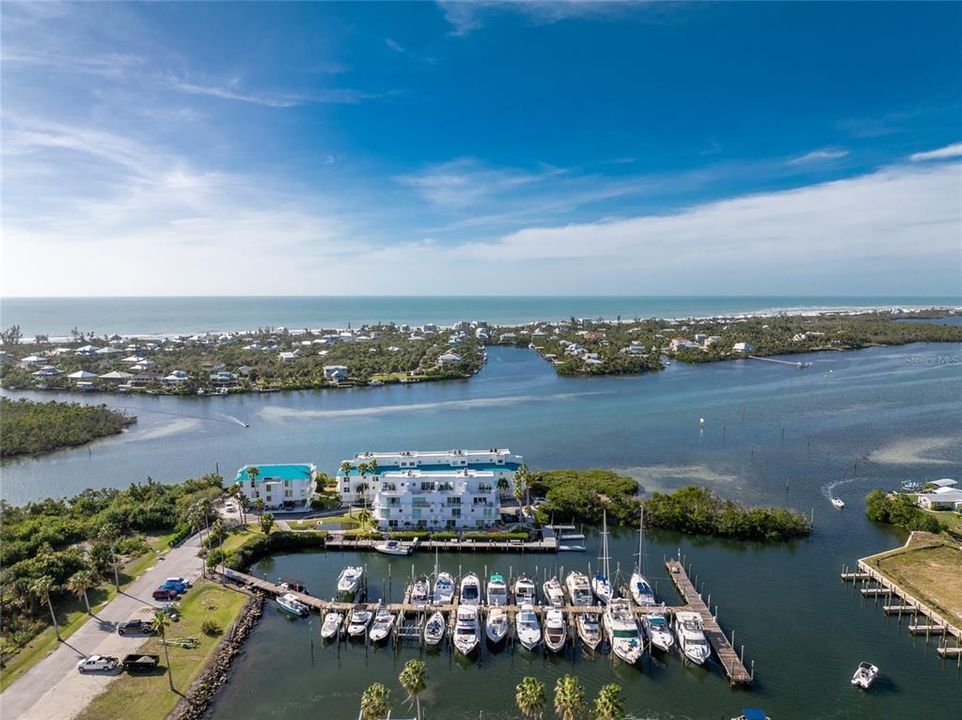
{"x":579,"y":589}
{"x":434,"y":629}
{"x":525,"y":591}
{"x":691,"y":637}
{"x":622,"y":631}
{"x":497,"y":591}
{"x":555,"y":630}
{"x":349,"y":581}
{"x":496,"y":625}
{"x":589,"y":631}
{"x":865,"y":675}
{"x":599,"y":583}
{"x":393,"y":547}
{"x":443,"y":589}
{"x":360,"y":619}
{"x":641,"y":591}
{"x":467,"y":634}
{"x":421,"y":591}
{"x":470,"y":590}
{"x":657,"y":630}
{"x":529,"y":629}
{"x":289,"y":604}
{"x":553,"y":594}
{"x":332,"y":624}
{"x":383,"y":624}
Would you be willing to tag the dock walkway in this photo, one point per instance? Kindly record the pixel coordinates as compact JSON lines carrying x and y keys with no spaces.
{"x":733,"y":665}
{"x":549,"y":545}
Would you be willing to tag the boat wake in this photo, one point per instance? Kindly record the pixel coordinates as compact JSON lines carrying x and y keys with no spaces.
{"x":236,"y":420}
{"x":828,"y":490}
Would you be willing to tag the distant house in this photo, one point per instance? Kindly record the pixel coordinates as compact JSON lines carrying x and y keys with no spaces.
{"x":33,"y":361}
{"x":176,"y":378}
{"x":48,"y":371}
{"x":943,"y":483}
{"x":449,"y":358}
{"x":680,"y":343}
{"x":82,"y":376}
{"x":286,"y":357}
{"x":742,"y":347}
{"x":335,"y":373}
{"x":117,"y":377}
{"x":244,"y":370}
{"x":279,"y":486}
{"x":945,"y":498}
{"x":223,"y":378}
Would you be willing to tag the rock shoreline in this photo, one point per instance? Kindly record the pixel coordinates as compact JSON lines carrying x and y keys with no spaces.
{"x":204,"y":690}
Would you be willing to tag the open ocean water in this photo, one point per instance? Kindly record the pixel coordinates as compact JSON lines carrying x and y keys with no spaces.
{"x":158,"y":315}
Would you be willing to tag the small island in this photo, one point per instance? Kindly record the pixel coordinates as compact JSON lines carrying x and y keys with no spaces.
{"x":31,"y":428}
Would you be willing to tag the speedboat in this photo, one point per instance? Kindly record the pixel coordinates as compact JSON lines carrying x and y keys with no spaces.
{"x":529,"y":629}
{"x":691,"y":637}
{"x":838,"y":502}
{"x":657,"y":630}
{"x":553,"y":594}
{"x":601,"y":588}
{"x":525,"y":591}
{"x":555,"y":630}
{"x":292,"y":606}
{"x":579,"y":589}
{"x":470,"y":590}
{"x":467,"y":634}
{"x":349,"y":581}
{"x":360,"y":619}
{"x":496,"y":625}
{"x":589,"y":630}
{"x":434,"y":629}
{"x":752,"y":714}
{"x":865,"y":675}
{"x":622,"y":631}
{"x":443,"y":589}
{"x":421,"y":591}
{"x":383,"y":623}
{"x":393,"y":547}
{"x":641,"y":591}
{"x":497,"y":591}
{"x":332,"y":624}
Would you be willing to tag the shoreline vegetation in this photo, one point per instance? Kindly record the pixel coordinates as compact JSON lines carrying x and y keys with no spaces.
{"x":32,"y":428}
{"x":273,"y":359}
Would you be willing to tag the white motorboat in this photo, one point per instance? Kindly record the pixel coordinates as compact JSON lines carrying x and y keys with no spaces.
{"x":443,"y":589}
{"x":599,"y":583}
{"x":470,"y":590}
{"x":752,"y":714}
{"x":332,"y":624}
{"x":383,"y":624}
{"x":622,"y":631}
{"x":496,"y":625}
{"x":555,"y":630}
{"x":292,"y":606}
{"x":838,"y":502}
{"x":349,"y":581}
{"x":525,"y":591}
{"x":691,"y":637}
{"x":497,"y":591}
{"x":553,"y":594}
{"x":579,"y":589}
{"x":589,"y":630}
{"x":657,"y":630}
{"x":434,"y":629}
{"x":421,"y":591}
{"x":529,"y":629}
{"x":467,"y":633}
{"x":641,"y":591}
{"x":864,"y":675}
{"x":393,"y":547}
{"x":360,"y":619}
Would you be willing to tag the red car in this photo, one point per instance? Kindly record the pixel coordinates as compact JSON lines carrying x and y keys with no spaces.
{"x":165,"y":594}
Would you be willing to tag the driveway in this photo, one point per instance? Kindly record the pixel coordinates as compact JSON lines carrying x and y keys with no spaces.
{"x":53,"y":689}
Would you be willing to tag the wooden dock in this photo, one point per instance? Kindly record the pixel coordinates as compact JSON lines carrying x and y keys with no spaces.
{"x":732,"y":664}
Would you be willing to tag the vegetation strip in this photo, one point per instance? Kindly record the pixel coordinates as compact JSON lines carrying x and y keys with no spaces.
{"x":32,"y":428}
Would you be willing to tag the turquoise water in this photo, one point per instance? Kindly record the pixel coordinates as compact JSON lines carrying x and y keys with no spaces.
{"x":772,"y":434}
{"x":56,"y":316}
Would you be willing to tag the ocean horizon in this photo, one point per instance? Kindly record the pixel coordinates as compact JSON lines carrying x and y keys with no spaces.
{"x":56,"y":316}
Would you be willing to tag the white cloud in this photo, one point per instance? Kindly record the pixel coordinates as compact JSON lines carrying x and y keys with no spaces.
{"x":819,"y":156}
{"x":949,"y":151}
{"x":341,"y":96}
{"x":395,"y":46}
{"x":465,"y":16}
{"x":465,"y":182}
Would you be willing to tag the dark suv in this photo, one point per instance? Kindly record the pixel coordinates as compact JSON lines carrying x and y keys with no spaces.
{"x":165,"y":594}
{"x":135,"y":627}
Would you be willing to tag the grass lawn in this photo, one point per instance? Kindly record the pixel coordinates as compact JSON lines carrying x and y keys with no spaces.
{"x":238,"y":536}
{"x":930,"y":570}
{"x":148,"y":697}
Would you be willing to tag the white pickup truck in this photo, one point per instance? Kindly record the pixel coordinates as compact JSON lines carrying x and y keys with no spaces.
{"x":98,"y":663}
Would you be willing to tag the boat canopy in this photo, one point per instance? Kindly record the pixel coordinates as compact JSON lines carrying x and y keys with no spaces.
{"x":754,"y":714}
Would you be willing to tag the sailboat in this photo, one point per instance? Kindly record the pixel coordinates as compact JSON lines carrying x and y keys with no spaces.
{"x":599,"y":583}
{"x":639,"y":586}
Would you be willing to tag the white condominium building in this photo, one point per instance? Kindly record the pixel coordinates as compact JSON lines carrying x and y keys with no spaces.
{"x":435,"y":499}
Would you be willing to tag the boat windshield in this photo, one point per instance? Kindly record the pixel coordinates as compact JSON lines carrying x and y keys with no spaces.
{"x":470,"y":592}
{"x":626,"y":634}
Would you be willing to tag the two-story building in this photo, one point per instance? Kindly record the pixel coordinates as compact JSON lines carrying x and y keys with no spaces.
{"x":279,"y":486}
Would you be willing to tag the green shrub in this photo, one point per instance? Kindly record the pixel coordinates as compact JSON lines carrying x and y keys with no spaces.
{"x":209,"y":627}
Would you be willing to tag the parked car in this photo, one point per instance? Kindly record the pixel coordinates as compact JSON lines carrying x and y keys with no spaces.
{"x":179,"y":579}
{"x":177,"y":587}
{"x":137,"y":662}
{"x":165,"y":594}
{"x":134,"y":627}
{"x":97,"y":663}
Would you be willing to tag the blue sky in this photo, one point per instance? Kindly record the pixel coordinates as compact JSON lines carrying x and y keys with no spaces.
{"x":482,"y":148}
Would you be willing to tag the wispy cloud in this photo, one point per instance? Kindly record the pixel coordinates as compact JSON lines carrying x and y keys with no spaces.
{"x":231,"y":91}
{"x":819,"y":156}
{"x":945,"y":153}
{"x":468,"y":16}
{"x":395,"y":46}
{"x":466,"y":181}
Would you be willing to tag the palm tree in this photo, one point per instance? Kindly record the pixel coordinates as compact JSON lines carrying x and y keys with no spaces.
{"x":503,"y":486}
{"x":522,"y":480}
{"x":608,"y":704}
{"x":216,"y":532}
{"x":569,"y":698}
{"x":530,"y":698}
{"x":244,"y":503}
{"x":259,"y":505}
{"x":346,"y":467}
{"x":362,"y":492}
{"x":372,"y":466}
{"x":413,"y":679}
{"x":42,"y":587}
{"x":376,"y":702}
{"x":267,"y":522}
{"x":160,"y":624}
{"x":108,"y":533}
{"x":79,"y":583}
{"x":252,"y":473}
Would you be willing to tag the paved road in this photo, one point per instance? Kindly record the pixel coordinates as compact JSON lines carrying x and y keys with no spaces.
{"x":53,"y":689}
